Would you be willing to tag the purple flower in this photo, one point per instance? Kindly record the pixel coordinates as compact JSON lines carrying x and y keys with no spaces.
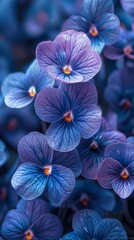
{"x":43,"y":169}
{"x":31,"y":220}
{"x":92,"y":151}
{"x":69,"y":58}
{"x":119,"y":93}
{"x":72,"y":111}
{"x":123,"y":48}
{"x":117,"y":171}
{"x":87,"y":224}
{"x":97,"y":21}
{"x":20,"y":89}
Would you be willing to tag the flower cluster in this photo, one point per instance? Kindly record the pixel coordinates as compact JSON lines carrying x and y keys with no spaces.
{"x":67,"y":125}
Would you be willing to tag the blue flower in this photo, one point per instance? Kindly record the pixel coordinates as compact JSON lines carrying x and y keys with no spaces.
{"x":69,"y":58}
{"x":31,"y":220}
{"x":20,"y":89}
{"x":16,"y":124}
{"x":87,"y":224}
{"x":117,"y":171}
{"x":97,"y":21}
{"x":44,"y":169}
{"x":92,"y":151}
{"x":72,"y":111}
{"x":122,"y":48}
{"x":88,"y":194}
{"x":119,"y":93}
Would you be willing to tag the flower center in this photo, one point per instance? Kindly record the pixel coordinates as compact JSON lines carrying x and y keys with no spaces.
{"x":124,"y":173}
{"x":84,"y":199}
{"x":32,"y":91}
{"x":125,"y":104}
{"x":12,"y":124}
{"x":48,"y":170}
{"x":3,"y":193}
{"x":67,"y":69}
{"x":94,"y":145}
{"x":29,"y":235}
{"x":128,"y":50}
{"x":68,"y":117}
{"x":93,"y":31}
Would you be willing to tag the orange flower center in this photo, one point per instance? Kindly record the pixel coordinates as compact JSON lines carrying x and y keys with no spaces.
{"x":32,"y":91}
{"x":67,"y":69}
{"x":29,"y":235}
{"x":94,"y":145}
{"x":47,"y":170}
{"x":124,"y":174}
{"x":93,"y":31}
{"x":68,"y":117}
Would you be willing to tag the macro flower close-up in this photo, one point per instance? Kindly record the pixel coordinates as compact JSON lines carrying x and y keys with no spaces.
{"x":66,"y":119}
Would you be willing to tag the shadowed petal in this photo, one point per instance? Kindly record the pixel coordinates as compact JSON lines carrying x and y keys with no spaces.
{"x":63,"y":136}
{"x":70,"y":236}
{"x":29,"y":181}
{"x":48,"y":227}
{"x":113,"y":53}
{"x":34,"y":148}
{"x":60,"y":184}
{"x":70,"y":160}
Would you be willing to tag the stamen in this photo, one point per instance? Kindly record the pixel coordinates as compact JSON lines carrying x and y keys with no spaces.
{"x":48,"y":170}
{"x":128,"y":50}
{"x":32,"y":91}
{"x":124,"y":173}
{"x":67,"y":69}
{"x":93,"y":31}
{"x":94,"y":145}
{"x":68,"y":117}
{"x":29,"y":235}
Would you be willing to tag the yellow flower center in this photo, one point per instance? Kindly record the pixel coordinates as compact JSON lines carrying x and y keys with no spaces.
{"x":32,"y":91}
{"x":47,"y":170}
{"x":68,"y":117}
{"x":67,"y":69}
{"x":124,"y":173}
{"x":93,"y":31}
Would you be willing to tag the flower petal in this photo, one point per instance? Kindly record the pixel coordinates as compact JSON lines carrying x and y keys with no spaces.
{"x":110,"y":229}
{"x":84,"y":222}
{"x":29,"y":181}
{"x":51,"y":105}
{"x":70,"y":160}
{"x":33,"y":209}
{"x":14,"y":225}
{"x":60,"y":184}
{"x":113,"y":53}
{"x":34,"y":148}
{"x":63,"y":136}
{"x":123,"y":187}
{"x":76,"y":23}
{"x":70,"y":236}
{"x":109,"y":171}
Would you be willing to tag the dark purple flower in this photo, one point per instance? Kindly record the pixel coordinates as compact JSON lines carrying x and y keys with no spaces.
{"x":97,"y":21}
{"x":123,"y":48}
{"x":69,"y":58}
{"x":117,"y":171}
{"x":72,"y":111}
{"x":42,"y":169}
{"x":88,"y":194}
{"x":92,"y":151}
{"x":119,"y":93}
{"x":31,"y":220}
{"x":87,"y":224}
